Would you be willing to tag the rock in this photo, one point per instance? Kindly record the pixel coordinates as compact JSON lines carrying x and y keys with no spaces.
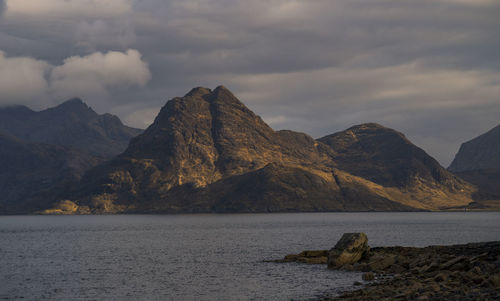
{"x":380,"y":263}
{"x":310,"y":257}
{"x":348,"y":250}
{"x":291,"y":257}
{"x":369,"y":276}
{"x":495,"y":280}
{"x":440,"y":277}
{"x":313,"y":260}
{"x":451,"y":262}
{"x":397,"y":269}
{"x":314,"y":253}
{"x":458,"y":272}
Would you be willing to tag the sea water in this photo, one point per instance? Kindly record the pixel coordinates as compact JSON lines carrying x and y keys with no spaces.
{"x":203,"y":257}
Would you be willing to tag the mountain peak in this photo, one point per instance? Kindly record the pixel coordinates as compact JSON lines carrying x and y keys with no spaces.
{"x":482,"y":152}
{"x":369,"y":125}
{"x":198,"y":92}
{"x":222,"y":91}
{"x":73,"y":104}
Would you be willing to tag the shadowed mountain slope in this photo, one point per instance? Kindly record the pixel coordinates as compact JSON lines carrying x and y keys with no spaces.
{"x":478,"y":161}
{"x":207,"y":152}
{"x":387,"y":157}
{"x":71,"y":124}
{"x":482,"y":152}
{"x":29,"y":169}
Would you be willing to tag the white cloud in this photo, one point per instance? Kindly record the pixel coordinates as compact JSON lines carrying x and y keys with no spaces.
{"x":94,"y":73}
{"x":69,"y":8}
{"x":27,"y":80}
{"x":22,"y":78}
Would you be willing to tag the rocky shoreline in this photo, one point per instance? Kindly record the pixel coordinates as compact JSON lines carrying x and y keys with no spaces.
{"x":457,"y":272}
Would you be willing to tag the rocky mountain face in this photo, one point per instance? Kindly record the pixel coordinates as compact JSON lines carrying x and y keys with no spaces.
{"x":29,"y":169}
{"x":207,"y":152}
{"x":42,"y":154}
{"x":482,"y":152}
{"x":72,"y":124}
{"x":386,"y":157}
{"x":478,"y":161}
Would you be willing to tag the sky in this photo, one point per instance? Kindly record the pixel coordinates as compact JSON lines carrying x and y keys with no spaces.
{"x":430,"y":69}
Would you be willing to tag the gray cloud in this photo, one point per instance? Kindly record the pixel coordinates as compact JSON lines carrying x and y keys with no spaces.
{"x":430,"y":68}
{"x":30,"y":81}
{"x":22,"y":79}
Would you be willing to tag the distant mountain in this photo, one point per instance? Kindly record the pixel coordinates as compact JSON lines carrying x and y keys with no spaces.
{"x":29,"y":169}
{"x":387,"y":157}
{"x":478,"y":161}
{"x":207,"y":152}
{"x":482,"y":152}
{"x":71,"y":124}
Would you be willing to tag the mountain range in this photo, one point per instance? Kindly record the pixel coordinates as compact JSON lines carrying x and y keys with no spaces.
{"x":72,"y":124}
{"x":53,"y":148}
{"x":207,"y":152}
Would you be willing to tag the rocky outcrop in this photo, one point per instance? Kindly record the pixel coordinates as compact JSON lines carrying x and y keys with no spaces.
{"x":71,"y":124}
{"x":311,"y":257}
{"x":457,"y":272}
{"x":351,"y":248}
{"x":207,"y":152}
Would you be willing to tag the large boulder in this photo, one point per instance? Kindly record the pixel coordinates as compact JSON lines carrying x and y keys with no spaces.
{"x":348,"y":250}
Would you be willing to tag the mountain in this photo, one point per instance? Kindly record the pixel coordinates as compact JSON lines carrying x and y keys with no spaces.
{"x":71,"y":124}
{"x":386,"y":157}
{"x":29,"y":169}
{"x":207,"y":152}
{"x":478,"y":161}
{"x":482,"y":152}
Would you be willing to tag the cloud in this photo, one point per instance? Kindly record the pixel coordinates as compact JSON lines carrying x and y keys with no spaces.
{"x":104,"y":33}
{"x":95,"y":73}
{"x":27,"y":80}
{"x":21,"y":79}
{"x":429,"y":68}
{"x":436,"y":108}
{"x":68,"y":8}
{"x":2,"y":7}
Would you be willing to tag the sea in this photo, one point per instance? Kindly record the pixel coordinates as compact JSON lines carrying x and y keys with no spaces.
{"x":205,"y":256}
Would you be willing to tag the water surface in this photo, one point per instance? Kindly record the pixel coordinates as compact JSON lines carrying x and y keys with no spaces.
{"x":203,"y":257}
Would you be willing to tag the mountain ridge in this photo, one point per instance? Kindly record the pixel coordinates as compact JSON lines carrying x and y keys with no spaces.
{"x":478,"y":161}
{"x":29,"y":169}
{"x":72,"y":123}
{"x":207,"y":152}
